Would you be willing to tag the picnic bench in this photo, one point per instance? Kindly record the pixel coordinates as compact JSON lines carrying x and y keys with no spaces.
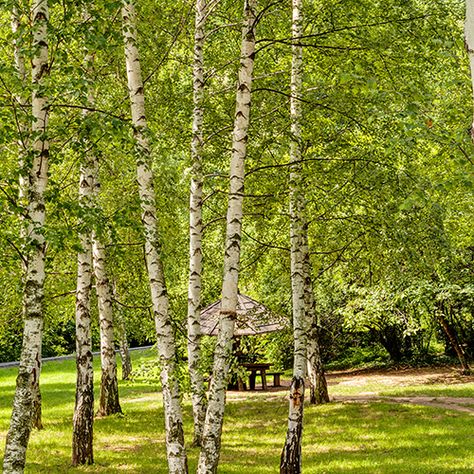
{"x":259,"y":368}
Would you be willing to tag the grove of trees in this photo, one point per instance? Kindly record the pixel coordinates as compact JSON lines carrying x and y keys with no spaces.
{"x":158,"y":156}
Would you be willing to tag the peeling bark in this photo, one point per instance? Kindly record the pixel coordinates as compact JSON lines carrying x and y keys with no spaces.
{"x":291,"y":454}
{"x":30,"y":360}
{"x":211,"y":441}
{"x":176,"y":452}
{"x":198,"y":392}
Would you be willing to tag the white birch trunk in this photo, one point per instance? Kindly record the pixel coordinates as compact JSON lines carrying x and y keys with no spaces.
{"x":291,"y":455}
{"x":24,"y":130}
{"x":176,"y":452}
{"x":469,"y":43}
{"x":30,"y":360}
{"x":198,"y":392}
{"x":209,"y":456}
{"x":109,"y":395}
{"x":317,"y":379}
{"x":83,"y":420}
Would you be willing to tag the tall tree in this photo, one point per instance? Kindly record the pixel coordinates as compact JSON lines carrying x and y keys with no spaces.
{"x":83,"y":419}
{"x":291,"y":455}
{"x":195,"y":230}
{"x":211,"y":442}
{"x":176,"y":452}
{"x":24,"y":132}
{"x":30,"y":360}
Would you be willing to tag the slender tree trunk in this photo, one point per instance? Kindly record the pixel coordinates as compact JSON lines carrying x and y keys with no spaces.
{"x":318,"y":388}
{"x":469,"y":43}
{"x":109,"y":395}
{"x":30,"y":360}
{"x":209,"y":457}
{"x":123,"y":344}
{"x":83,"y":420}
{"x":176,"y":452}
{"x":290,"y":461}
{"x":198,"y":391}
{"x":24,"y":130}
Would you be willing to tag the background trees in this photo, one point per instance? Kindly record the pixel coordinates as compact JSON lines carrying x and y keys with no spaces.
{"x":386,"y":162}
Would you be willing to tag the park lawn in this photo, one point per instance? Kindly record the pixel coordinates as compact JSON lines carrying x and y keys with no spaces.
{"x":338,"y":438}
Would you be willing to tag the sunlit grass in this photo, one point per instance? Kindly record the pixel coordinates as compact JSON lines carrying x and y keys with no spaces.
{"x":338,"y":438}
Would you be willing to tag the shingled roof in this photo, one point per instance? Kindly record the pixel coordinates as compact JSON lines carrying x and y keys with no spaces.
{"x":252,"y":318}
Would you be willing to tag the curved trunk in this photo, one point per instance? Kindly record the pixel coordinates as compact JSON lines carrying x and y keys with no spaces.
{"x":198,"y":392}
{"x":109,"y":395}
{"x":291,"y":455}
{"x":30,"y":360}
{"x":176,"y":452}
{"x":209,"y":456}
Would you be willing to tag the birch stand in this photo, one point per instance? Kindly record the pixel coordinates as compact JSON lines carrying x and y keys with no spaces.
{"x":211,"y":443}
{"x":198,"y":393}
{"x":176,"y":453}
{"x":290,"y":462}
{"x":30,"y":359}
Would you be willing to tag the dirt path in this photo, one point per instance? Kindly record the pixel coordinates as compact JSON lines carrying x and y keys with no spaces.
{"x":390,"y":379}
{"x":446,"y":403}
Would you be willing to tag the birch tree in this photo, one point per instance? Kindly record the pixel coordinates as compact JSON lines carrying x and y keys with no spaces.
{"x":469,"y":43}
{"x":198,"y":392}
{"x":176,"y":453}
{"x":30,"y":360}
{"x":83,"y":420}
{"x":291,"y":455}
{"x":211,"y":442}
{"x":24,"y":132}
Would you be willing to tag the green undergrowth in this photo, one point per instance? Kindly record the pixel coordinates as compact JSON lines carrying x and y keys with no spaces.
{"x":338,"y":437}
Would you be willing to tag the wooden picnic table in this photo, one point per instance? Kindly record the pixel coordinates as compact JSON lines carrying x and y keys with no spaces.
{"x":254,"y":368}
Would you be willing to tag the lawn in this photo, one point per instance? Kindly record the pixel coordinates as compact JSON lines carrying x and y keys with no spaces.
{"x":338,"y":438}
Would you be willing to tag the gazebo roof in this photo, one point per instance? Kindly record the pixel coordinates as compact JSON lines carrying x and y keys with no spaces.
{"x":252,"y":318}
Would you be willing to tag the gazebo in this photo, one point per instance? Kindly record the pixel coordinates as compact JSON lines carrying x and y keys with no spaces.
{"x":252,"y":318}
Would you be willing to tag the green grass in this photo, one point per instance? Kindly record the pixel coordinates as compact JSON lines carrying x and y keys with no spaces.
{"x":338,"y":438}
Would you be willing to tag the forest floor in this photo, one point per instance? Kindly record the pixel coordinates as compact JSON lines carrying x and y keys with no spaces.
{"x":378,"y":422}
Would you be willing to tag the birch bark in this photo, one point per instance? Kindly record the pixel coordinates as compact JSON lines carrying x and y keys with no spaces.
{"x":176,"y":453}
{"x":30,"y":360}
{"x":24,"y":131}
{"x":469,"y":43}
{"x":316,"y":376}
{"x":290,"y":461}
{"x":83,"y":419}
{"x":211,"y":442}
{"x":109,"y":394}
{"x":198,"y":392}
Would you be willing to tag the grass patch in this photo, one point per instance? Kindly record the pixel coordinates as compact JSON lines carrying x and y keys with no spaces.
{"x":338,"y":438}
